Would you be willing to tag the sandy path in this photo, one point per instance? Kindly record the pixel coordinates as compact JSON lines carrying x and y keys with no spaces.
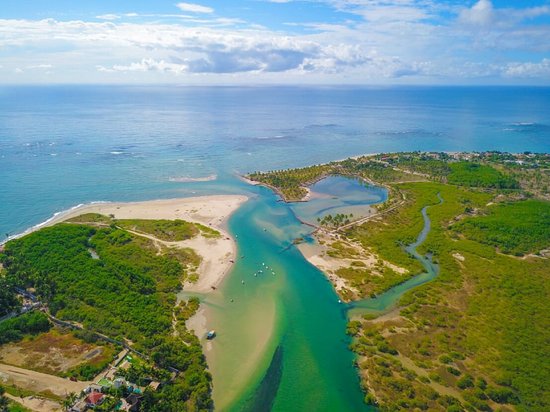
{"x":39,"y":382}
{"x":217,"y":256}
{"x":37,"y":404}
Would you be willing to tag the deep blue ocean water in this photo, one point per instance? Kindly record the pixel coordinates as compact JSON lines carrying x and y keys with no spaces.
{"x":65,"y":145}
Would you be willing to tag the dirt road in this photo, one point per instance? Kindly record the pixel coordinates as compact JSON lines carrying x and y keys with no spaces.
{"x":39,"y":382}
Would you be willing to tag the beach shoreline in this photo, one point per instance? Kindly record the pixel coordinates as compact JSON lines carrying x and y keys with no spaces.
{"x":217,"y":255}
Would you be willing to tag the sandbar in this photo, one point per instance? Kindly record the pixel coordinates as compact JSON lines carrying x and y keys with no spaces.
{"x":213,"y":211}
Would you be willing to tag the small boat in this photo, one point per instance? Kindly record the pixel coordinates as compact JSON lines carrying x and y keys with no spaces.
{"x":211,"y":335}
{"x":242,"y":281}
{"x":255,"y":274}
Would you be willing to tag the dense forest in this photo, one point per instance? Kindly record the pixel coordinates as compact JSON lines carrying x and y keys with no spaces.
{"x":127,"y":292}
{"x":15,"y":329}
{"x":517,"y":228}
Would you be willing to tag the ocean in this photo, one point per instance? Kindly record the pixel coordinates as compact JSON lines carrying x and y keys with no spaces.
{"x":65,"y":145}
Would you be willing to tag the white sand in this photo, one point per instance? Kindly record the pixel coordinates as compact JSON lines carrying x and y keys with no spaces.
{"x":213,"y":211}
{"x":316,"y":254}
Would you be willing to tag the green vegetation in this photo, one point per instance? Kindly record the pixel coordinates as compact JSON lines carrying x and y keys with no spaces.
{"x":3,"y":400}
{"x":8,"y":405}
{"x":480,"y":170}
{"x":127,"y":294}
{"x":517,"y":228}
{"x":290,"y":183}
{"x":8,"y":300}
{"x":16,"y":407}
{"x":477,"y":175}
{"x":168,"y":230}
{"x":480,"y":329}
{"x":15,"y":329}
{"x":336,"y":220}
{"x":92,"y":218}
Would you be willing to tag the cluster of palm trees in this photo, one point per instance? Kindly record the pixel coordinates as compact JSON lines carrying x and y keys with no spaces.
{"x":335,"y":221}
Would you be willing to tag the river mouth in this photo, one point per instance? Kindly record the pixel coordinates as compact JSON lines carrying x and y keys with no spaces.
{"x":281,"y":343}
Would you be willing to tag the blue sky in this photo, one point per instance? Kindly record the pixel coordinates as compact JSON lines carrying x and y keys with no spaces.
{"x":275,"y":41}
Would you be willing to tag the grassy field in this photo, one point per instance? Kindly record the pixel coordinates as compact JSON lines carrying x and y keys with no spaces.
{"x":515,"y":228}
{"x":477,"y":335}
{"x":59,"y":353}
{"x":167,"y":230}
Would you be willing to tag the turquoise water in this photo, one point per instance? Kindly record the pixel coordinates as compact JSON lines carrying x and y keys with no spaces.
{"x":337,"y":194}
{"x":281,"y":342}
{"x":306,"y":364}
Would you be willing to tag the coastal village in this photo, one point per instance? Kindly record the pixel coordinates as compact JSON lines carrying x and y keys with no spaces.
{"x":109,"y":390}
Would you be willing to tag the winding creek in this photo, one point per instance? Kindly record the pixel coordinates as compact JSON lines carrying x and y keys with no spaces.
{"x":281,"y":342}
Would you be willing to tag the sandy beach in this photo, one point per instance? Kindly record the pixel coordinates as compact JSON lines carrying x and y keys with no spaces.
{"x":213,"y":211}
{"x":317,"y":255}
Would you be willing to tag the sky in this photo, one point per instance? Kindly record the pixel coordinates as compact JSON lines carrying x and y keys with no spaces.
{"x":360,"y":42}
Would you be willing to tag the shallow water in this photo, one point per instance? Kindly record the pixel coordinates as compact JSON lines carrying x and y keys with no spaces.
{"x":337,"y":194}
{"x":273,"y":348}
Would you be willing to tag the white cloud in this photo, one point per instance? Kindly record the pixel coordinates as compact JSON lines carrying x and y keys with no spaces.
{"x":39,"y":66}
{"x":391,"y":40}
{"x":194,"y":8}
{"x":528,"y":69}
{"x":145,"y":65}
{"x":109,"y":17}
{"x":481,"y":14}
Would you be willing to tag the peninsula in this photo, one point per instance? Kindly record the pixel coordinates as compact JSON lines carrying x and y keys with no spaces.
{"x":460,"y":340}
{"x":89,"y":309}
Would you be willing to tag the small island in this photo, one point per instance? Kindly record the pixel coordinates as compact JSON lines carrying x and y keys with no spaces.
{"x":474,"y":337}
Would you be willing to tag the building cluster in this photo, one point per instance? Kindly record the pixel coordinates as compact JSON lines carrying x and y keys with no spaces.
{"x":128,"y":394}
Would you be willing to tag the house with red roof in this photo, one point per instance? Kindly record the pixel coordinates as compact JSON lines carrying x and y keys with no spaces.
{"x":94,"y":399}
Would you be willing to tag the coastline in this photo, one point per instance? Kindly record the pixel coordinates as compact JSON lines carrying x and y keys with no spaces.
{"x":212,"y":211}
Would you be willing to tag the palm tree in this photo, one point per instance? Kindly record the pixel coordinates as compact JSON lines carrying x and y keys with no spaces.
{"x":3,"y":400}
{"x":69,"y":401}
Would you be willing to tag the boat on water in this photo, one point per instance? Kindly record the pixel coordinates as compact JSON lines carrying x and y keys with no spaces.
{"x":211,"y":335}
